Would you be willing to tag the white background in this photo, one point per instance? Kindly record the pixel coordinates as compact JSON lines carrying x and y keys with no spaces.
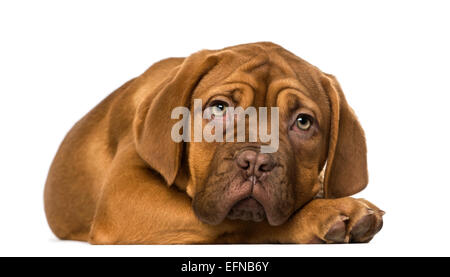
{"x":58,"y":59}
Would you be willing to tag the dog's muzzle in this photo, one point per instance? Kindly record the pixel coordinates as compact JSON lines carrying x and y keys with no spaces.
{"x":254,"y":167}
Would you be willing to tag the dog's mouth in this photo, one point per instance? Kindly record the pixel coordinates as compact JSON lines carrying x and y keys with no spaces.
{"x":242,"y":201}
{"x":247,"y":209}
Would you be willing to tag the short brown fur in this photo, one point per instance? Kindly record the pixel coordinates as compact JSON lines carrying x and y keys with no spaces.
{"x":118,"y":178}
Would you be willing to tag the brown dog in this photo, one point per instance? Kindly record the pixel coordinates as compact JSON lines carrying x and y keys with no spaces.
{"x":119,"y":178}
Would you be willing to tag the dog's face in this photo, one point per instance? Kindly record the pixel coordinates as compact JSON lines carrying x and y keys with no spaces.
{"x":235,"y":180}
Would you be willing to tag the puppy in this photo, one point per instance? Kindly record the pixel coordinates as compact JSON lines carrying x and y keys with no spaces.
{"x":120,"y":178}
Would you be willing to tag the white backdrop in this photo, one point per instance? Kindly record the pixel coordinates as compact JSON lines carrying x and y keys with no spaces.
{"x":58,"y":59}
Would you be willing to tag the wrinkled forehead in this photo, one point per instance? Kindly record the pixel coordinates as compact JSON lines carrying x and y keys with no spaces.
{"x":266,"y":70}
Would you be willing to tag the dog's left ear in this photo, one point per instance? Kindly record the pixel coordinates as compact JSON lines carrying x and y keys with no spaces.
{"x":153,"y":123}
{"x":346,"y":169}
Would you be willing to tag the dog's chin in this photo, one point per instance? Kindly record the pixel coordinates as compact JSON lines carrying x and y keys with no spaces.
{"x":248,"y":209}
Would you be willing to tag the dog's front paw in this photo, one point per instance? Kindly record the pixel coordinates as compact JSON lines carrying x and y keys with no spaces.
{"x":342,"y":220}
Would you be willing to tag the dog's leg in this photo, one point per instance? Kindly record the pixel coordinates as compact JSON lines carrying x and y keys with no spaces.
{"x":137,"y":207}
{"x":339,"y":220}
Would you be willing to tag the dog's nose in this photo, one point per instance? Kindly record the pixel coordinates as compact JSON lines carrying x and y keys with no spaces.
{"x":255,"y":163}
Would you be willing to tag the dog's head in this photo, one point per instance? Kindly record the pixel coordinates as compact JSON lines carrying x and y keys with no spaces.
{"x":235,"y":180}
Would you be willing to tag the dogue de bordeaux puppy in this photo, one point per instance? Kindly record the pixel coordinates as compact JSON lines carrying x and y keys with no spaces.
{"x":119,"y":177}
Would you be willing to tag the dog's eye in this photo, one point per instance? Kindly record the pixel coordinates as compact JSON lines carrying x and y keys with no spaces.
{"x":304,"y":122}
{"x":218,"y":108}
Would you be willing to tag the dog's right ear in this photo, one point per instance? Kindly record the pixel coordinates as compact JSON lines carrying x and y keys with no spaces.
{"x":153,"y":124}
{"x":346,"y":169}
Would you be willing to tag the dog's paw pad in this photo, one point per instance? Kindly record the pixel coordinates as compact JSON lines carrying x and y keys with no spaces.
{"x":337,"y":232}
{"x":362,"y":227}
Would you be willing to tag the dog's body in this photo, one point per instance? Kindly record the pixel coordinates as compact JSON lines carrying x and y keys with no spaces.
{"x":118,"y":178}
